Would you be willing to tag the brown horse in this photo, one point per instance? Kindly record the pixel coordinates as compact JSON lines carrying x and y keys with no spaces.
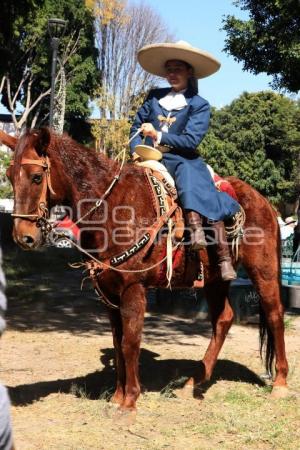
{"x":49,"y":169}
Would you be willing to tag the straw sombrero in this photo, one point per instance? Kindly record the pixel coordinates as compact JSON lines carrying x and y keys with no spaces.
{"x":154,"y":57}
{"x":146,"y":152}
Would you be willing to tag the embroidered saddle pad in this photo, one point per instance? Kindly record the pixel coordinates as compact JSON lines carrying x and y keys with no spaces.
{"x":221,"y":184}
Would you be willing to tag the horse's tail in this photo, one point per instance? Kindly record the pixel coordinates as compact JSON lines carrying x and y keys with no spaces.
{"x":266,"y":341}
{"x":266,"y":338}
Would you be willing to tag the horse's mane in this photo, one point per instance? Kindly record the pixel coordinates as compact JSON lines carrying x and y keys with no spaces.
{"x":79,"y":162}
{"x":77,"y":157}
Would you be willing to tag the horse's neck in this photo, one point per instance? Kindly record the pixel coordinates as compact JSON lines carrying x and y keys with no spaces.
{"x":82,"y":174}
{"x":84,"y":177}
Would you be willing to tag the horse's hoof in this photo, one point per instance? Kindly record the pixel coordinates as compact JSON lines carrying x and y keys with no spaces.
{"x":117,"y":400}
{"x":125,"y":416}
{"x":185,"y":393}
{"x":280,"y":392}
{"x":189,"y":390}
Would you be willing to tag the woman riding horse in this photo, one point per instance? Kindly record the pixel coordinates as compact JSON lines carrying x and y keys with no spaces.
{"x":176,"y":120}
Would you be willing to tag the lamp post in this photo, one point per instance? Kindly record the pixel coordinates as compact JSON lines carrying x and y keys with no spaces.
{"x":56,"y":29}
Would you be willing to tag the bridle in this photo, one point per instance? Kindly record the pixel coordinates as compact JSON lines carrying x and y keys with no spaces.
{"x":42,"y":217}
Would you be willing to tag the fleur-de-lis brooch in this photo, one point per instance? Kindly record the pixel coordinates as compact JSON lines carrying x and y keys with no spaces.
{"x":166,"y":120}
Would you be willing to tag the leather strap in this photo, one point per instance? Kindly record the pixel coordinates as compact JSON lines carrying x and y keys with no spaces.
{"x":42,"y":204}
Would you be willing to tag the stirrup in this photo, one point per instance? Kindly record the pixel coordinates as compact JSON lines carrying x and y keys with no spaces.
{"x":227,"y":271}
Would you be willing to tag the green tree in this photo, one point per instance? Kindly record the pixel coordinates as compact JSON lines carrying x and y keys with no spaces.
{"x":257,"y":138}
{"x":5,"y":186}
{"x":269,"y":41}
{"x":25,"y":46}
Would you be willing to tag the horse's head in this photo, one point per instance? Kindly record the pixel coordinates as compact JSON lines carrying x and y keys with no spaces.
{"x":29,"y":174}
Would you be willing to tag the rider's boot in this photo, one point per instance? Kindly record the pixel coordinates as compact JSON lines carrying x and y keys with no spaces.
{"x":194,"y":223}
{"x":222,"y":249}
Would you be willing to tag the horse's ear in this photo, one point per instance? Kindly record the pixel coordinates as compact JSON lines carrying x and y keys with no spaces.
{"x":43,"y":140}
{"x":8,"y":140}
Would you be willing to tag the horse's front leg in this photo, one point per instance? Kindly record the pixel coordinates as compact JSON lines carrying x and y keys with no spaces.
{"x":117,"y":332}
{"x":133,"y":305}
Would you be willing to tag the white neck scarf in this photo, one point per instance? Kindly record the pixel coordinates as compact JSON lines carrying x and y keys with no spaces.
{"x":173,"y":101}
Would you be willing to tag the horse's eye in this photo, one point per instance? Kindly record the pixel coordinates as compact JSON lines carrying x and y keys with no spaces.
{"x":37,"y":178}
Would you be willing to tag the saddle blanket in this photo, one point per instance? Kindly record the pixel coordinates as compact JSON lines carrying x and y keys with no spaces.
{"x":221,"y":184}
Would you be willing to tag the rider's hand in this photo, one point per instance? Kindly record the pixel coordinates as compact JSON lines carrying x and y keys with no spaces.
{"x":135,"y":157}
{"x":148,"y":130}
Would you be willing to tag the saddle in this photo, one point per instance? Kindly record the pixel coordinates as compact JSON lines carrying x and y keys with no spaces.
{"x":169,"y":217}
{"x":163,"y":185}
{"x":164,"y":197}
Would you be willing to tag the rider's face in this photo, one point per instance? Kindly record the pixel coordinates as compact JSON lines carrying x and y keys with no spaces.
{"x":178,"y":74}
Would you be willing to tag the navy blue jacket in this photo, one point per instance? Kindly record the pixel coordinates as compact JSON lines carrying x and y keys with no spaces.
{"x":196,"y":189}
{"x":186,"y":133}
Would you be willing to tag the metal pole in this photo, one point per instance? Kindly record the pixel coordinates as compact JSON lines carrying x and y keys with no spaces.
{"x":54,"y":45}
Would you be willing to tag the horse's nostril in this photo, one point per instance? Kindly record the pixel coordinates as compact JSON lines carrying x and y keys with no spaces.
{"x":28,"y":240}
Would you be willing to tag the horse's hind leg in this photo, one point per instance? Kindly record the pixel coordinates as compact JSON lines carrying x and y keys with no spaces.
{"x":265,"y":277}
{"x":222,"y":316}
{"x":221,"y":319}
{"x":133,"y":305}
{"x":117,"y":332}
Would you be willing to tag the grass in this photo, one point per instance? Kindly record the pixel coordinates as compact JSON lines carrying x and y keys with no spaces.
{"x":217,"y":423}
{"x":232,"y":415}
{"x":243,"y":418}
{"x":78,"y":391}
{"x":167,"y":391}
{"x":289,"y":323}
{"x":18,"y":263}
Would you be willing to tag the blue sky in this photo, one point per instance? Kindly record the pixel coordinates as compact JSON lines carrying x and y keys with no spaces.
{"x":198,"y":22}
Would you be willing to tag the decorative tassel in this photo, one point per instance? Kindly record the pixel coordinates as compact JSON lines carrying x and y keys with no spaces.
{"x":169,"y":253}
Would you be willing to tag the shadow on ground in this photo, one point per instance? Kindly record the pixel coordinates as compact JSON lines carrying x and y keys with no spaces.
{"x":156,"y":375}
{"x":45,"y":294}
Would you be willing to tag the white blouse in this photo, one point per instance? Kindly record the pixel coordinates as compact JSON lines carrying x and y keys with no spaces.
{"x":172,"y":101}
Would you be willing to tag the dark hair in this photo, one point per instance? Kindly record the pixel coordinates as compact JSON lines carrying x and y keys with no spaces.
{"x":193,"y":84}
{"x":192,"y":81}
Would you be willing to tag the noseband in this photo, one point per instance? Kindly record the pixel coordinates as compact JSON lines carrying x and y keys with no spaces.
{"x":43,"y":215}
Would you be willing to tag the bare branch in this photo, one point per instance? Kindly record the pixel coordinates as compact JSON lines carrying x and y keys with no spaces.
{"x":28,"y":93}
{"x":120,"y":32}
{"x":36,"y":115}
{"x":19,"y":88}
{"x":10,"y":105}
{"x":70,"y":51}
{"x":38,"y":99}
{"x":2,"y":84}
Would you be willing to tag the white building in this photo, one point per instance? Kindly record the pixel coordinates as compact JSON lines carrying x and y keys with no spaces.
{"x":6,"y":205}
{"x":6,"y":125}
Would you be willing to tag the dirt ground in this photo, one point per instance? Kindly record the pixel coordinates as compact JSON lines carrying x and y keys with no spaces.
{"x":57,"y":360}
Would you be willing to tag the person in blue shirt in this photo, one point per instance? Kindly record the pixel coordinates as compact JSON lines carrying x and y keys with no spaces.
{"x":175,"y":120}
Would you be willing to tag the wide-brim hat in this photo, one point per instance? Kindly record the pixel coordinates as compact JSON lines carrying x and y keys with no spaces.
{"x":153,"y":58}
{"x":146,"y":152}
